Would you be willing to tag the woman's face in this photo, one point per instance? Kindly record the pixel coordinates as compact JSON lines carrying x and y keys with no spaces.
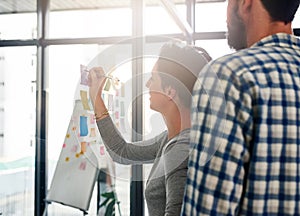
{"x":158,"y":97}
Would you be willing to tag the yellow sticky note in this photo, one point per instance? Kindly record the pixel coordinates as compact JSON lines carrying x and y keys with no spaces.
{"x":107,"y":85}
{"x":84,"y":100}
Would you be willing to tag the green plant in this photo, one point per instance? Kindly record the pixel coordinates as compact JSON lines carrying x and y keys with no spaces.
{"x":109,"y":203}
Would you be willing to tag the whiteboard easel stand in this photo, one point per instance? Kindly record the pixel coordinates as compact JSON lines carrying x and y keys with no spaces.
{"x":48,"y":203}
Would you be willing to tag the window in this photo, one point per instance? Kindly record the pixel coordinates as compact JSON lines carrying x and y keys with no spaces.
{"x":90,"y":23}
{"x":17,"y":129}
{"x":64,"y":77}
{"x":215,"y":48}
{"x":210,"y":17}
{"x":159,"y":21}
{"x":18,"y":26}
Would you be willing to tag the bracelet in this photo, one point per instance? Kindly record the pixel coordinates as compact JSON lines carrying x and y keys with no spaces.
{"x":102,"y":114}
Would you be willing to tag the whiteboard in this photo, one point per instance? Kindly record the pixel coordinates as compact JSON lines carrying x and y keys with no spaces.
{"x":76,"y":171}
{"x":82,"y":155}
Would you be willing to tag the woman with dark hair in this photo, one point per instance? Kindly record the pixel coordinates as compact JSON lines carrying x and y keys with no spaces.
{"x":170,"y":88}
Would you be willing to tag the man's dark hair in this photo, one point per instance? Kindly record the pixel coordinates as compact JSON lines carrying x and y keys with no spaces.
{"x":281,"y":10}
{"x":178,"y":66}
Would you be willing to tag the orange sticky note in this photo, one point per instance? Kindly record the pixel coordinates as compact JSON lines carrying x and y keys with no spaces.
{"x":83,"y":147}
{"x":93,"y":132}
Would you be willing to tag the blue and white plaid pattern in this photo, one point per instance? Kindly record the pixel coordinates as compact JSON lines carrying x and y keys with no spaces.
{"x":245,"y":137}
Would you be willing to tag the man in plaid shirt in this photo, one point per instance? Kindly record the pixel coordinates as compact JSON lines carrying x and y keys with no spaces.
{"x":245,"y":135}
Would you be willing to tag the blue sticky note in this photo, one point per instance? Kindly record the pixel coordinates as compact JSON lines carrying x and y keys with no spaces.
{"x":83,"y":126}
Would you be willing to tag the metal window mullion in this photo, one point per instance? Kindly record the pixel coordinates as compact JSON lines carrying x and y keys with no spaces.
{"x":190,"y":17}
{"x":41,"y":159}
{"x":136,"y":184}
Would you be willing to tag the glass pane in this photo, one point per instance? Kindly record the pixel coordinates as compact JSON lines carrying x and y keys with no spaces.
{"x":64,"y":77}
{"x":18,"y":26}
{"x":216,"y":48}
{"x":159,"y":21}
{"x":296,"y":22}
{"x":17,"y":130}
{"x":210,"y":17}
{"x":90,"y":23}
{"x":64,"y":73}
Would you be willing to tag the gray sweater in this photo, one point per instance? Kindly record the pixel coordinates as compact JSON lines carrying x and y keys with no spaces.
{"x":165,"y":185}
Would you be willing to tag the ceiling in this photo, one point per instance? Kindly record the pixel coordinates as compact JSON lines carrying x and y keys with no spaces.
{"x":23,"y":6}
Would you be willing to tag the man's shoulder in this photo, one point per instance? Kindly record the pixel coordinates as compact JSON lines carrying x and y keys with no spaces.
{"x":238,"y":57}
{"x":236,"y":63}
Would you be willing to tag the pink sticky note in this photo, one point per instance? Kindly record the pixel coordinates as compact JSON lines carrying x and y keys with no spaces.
{"x":92,"y":119}
{"x":74,"y":148}
{"x":102,"y":151}
{"x":116,"y":115}
{"x":82,"y":165}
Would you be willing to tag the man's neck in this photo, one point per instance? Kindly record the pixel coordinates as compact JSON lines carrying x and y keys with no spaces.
{"x":264,"y":30}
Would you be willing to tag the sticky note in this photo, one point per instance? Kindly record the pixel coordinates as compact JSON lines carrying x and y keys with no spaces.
{"x":92,"y":119}
{"x":84,"y":100}
{"x":117,"y":103}
{"x":107,"y":85}
{"x":84,"y":75}
{"x":116,"y":115}
{"x":110,"y":102}
{"x":102,"y":151}
{"x":74,"y":148}
{"x":83,"y":126}
{"x":93,"y":132}
{"x":82,"y":165}
{"x":122,"y":109}
{"x":83,"y":147}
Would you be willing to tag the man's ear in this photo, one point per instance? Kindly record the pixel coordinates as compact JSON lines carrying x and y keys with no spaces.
{"x":245,"y":7}
{"x":171,"y":92}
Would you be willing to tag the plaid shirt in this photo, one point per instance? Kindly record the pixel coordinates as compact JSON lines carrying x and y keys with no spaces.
{"x":245,"y":137}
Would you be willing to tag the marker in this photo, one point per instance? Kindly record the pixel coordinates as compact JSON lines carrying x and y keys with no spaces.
{"x":108,"y":77}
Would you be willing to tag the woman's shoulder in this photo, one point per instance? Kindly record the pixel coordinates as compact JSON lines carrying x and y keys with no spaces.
{"x":176,"y":153}
{"x":183,"y":138}
{"x":179,"y":143}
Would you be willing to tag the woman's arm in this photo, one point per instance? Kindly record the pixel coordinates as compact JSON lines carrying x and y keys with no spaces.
{"x":118,"y":148}
{"x":124,"y":152}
